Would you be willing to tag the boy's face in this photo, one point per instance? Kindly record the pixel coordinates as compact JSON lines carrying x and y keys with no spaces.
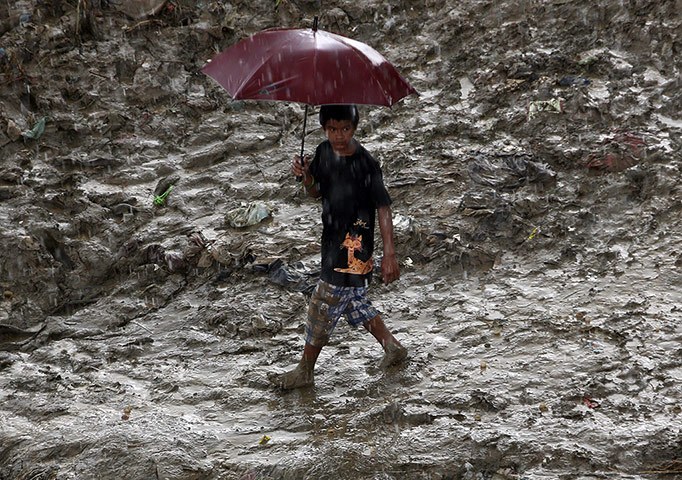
{"x":340,"y":134}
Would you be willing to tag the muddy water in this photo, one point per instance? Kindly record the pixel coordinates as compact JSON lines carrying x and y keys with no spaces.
{"x":539,"y":249}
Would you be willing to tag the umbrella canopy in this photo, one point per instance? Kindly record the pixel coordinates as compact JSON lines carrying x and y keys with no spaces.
{"x":308,"y":66}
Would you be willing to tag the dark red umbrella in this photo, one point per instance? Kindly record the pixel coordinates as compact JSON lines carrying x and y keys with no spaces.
{"x":308,"y":66}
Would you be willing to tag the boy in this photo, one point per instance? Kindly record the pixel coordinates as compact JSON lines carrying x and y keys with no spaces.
{"x":350,"y":183}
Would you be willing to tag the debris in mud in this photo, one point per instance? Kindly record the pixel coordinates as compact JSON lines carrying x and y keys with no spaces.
{"x":293,"y":277}
{"x":570,"y":80}
{"x":573,"y":269}
{"x":510,"y":171}
{"x":248,"y":215}
{"x":160,"y":200}
{"x":163,"y":188}
{"x":667,"y":468}
{"x":617,"y":152}
{"x":37,"y":130}
{"x":550,"y":106}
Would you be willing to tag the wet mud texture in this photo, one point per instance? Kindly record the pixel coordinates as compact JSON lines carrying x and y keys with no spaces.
{"x":537,"y":202}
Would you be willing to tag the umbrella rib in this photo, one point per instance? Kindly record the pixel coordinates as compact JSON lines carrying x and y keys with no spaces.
{"x":371,"y":70}
{"x":250,"y":75}
{"x":314,"y":72}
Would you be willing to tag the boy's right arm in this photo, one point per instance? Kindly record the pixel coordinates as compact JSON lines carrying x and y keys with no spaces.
{"x":303,"y":170}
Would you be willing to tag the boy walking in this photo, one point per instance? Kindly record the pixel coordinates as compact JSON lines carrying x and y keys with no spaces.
{"x":350,"y":183}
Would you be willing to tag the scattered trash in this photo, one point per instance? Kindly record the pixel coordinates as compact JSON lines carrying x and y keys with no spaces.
{"x":288,"y":276}
{"x":160,"y":200}
{"x":543,"y":408}
{"x":533,"y":233}
{"x":569,"y":80}
{"x":24,"y":18}
{"x":590,"y":403}
{"x":36,"y":131}
{"x":617,"y":152}
{"x":667,"y":468}
{"x":510,"y":171}
{"x":552,"y":106}
{"x":484,"y":366}
{"x":506,"y":473}
{"x":165,"y":184}
{"x":13,"y":131}
{"x":264,"y":440}
{"x":126,"y":413}
{"x":249,"y":215}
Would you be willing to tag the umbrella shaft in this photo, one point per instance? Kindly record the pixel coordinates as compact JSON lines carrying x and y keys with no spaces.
{"x":305,"y":121}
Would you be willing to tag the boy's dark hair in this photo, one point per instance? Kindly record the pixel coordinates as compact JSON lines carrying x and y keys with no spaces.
{"x":339,"y":112}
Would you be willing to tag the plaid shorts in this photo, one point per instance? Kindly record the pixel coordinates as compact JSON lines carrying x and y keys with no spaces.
{"x":327,"y":305}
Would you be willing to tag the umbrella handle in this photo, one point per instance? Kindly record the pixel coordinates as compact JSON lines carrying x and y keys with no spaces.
{"x":305,"y":121}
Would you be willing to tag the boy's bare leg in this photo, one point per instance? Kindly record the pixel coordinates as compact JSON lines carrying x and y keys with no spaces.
{"x":302,"y":375}
{"x":395,"y":352}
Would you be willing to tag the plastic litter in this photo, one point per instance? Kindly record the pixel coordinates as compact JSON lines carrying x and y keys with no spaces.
{"x":264,"y":440}
{"x":36,"y":131}
{"x":552,"y":106}
{"x":160,"y":200}
{"x":248,"y":215}
{"x":288,"y":276}
{"x":617,"y":152}
{"x":569,"y":80}
{"x":510,"y":171}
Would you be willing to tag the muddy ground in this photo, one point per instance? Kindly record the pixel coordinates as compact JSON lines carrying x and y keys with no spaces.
{"x":537,"y":201}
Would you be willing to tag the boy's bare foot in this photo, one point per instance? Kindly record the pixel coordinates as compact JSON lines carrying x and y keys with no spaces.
{"x":395,"y":353}
{"x":301,"y":376}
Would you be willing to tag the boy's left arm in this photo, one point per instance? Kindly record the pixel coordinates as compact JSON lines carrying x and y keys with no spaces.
{"x":389,"y":265}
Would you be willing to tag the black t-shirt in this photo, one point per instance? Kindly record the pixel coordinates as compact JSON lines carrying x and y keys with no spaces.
{"x":352,"y":188}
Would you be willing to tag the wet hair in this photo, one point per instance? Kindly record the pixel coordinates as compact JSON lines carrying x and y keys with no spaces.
{"x":339,"y":113}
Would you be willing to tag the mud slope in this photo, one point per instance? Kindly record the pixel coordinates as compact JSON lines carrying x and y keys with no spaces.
{"x":537,"y":211}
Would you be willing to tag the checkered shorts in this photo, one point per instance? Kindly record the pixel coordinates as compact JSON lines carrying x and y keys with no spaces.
{"x":327,"y":305}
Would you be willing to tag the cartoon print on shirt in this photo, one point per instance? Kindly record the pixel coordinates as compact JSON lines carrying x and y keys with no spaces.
{"x":355,"y":265}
